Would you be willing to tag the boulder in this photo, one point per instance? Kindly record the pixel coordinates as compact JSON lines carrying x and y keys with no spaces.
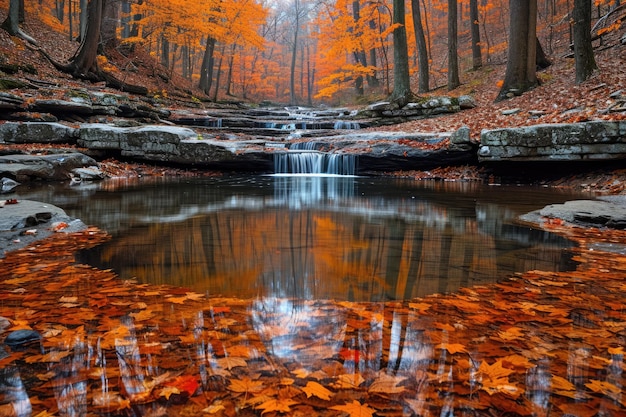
{"x":588,"y":141}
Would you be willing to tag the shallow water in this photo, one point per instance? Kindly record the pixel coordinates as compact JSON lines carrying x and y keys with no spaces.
{"x":312,"y":237}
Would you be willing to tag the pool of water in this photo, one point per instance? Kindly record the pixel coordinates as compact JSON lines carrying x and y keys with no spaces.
{"x":311,"y":237}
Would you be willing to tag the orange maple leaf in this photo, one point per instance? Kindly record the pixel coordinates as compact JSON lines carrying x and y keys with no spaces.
{"x":355,"y":409}
{"x":279,"y":405}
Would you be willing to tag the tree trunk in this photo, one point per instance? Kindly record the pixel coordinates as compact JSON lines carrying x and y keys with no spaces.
{"x":422,"y":52}
{"x":84,"y":6}
{"x":542,"y":60}
{"x":84,"y":61}
{"x":401,"y":80}
{"x":453,"y":56}
{"x":206,"y":69}
{"x":294,"y":50}
{"x":521,"y":72}
{"x":583,"y":50}
{"x":12,"y":22}
{"x":372,"y":79}
{"x":359,"y":56}
{"x":110,"y":19}
{"x":477,"y":59}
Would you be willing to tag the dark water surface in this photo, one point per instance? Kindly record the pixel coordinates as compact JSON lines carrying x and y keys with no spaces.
{"x":345,"y":238}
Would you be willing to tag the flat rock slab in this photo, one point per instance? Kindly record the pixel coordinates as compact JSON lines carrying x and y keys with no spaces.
{"x":46,"y":167}
{"x":27,"y":221}
{"x":609,"y":211}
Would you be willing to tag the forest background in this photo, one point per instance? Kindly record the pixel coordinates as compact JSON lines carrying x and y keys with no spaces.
{"x":304,"y":51}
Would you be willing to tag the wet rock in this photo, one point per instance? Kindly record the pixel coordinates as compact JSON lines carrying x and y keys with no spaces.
{"x":607,"y":211}
{"x":88,"y":174}
{"x":7,"y":185}
{"x":54,"y":167}
{"x":21,"y":339}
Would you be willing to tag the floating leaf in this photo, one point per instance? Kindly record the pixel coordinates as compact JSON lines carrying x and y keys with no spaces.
{"x":245,"y":385}
{"x":315,"y":389}
{"x":355,"y":409}
{"x":278,"y":405}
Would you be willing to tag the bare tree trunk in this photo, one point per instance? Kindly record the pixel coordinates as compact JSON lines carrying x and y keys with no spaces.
{"x":12,"y":21}
{"x":453,"y":56}
{"x":521,"y":73}
{"x":422,"y":52}
{"x":583,"y":50}
{"x":206,"y":69}
{"x":477,"y":59}
{"x":84,"y":61}
{"x":401,"y":79}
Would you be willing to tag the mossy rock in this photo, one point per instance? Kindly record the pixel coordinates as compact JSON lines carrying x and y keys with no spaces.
{"x":11,"y":84}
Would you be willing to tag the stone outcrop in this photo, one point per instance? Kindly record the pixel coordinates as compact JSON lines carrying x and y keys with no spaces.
{"x":588,"y":141}
{"x":53,"y":167}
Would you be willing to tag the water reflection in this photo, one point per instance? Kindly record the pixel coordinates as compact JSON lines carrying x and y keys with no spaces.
{"x":346,"y":238}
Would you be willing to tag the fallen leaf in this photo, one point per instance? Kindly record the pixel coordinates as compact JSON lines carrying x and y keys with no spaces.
{"x":355,"y":409}
{"x":244,"y":385}
{"x":313,"y":388}
{"x":387,"y":384}
{"x":279,"y":405}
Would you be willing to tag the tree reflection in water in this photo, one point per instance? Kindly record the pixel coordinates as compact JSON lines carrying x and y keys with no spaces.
{"x":324,"y":238}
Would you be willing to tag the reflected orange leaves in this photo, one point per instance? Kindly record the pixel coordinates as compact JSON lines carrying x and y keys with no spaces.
{"x":537,"y":342}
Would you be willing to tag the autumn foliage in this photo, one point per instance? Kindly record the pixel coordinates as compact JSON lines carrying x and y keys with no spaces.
{"x":339,"y":42}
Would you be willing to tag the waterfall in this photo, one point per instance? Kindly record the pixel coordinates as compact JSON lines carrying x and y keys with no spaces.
{"x":314,"y":162}
{"x":342,"y":124}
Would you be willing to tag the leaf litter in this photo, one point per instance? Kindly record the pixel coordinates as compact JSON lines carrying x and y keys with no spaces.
{"x":535,"y":343}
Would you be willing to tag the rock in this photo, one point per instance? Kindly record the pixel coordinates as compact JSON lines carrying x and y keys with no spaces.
{"x":39,"y":219}
{"x":7,"y":184}
{"x":589,"y":141}
{"x":608,"y":211}
{"x":10,"y":101}
{"x":54,"y":167}
{"x":61,"y":107}
{"x":37,"y":132}
{"x":20,"y":339}
{"x":87,"y":174}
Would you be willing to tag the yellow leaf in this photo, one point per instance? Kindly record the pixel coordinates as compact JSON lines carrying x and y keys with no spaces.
{"x":314,"y":389}
{"x":229,"y":362}
{"x":349,"y":381}
{"x":616,"y":350}
{"x":387,"y":384}
{"x":452,"y":348}
{"x":168,"y":391}
{"x":421,"y":307}
{"x":511,"y":333}
{"x":245,"y":385}
{"x":355,"y":409}
{"x":604,"y":387}
{"x":280,"y":405}
{"x":142,"y":315}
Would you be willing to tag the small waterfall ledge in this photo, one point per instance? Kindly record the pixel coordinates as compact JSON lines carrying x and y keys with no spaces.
{"x":304,"y":161}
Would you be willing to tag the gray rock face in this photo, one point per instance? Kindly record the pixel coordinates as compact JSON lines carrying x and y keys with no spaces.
{"x":37,"y":132}
{"x":45,"y":167}
{"x":608,"y":211}
{"x":596,"y":140}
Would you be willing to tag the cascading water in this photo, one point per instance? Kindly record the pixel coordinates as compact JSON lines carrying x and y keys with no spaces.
{"x":305,"y":158}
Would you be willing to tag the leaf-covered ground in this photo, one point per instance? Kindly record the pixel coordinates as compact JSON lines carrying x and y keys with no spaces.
{"x":536,"y":344}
